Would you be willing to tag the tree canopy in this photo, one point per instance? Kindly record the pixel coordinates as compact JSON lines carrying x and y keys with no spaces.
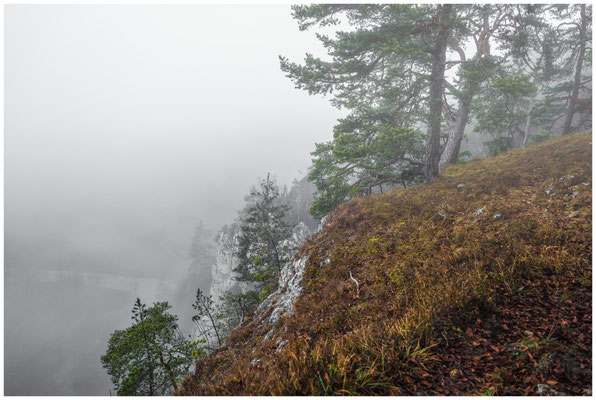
{"x":413,"y":77}
{"x":263,"y":230}
{"x":149,"y":357}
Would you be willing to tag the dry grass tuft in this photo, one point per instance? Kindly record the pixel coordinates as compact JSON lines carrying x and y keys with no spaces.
{"x":422,"y":255}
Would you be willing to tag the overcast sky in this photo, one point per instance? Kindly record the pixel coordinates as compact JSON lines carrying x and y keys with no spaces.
{"x":124,"y":127}
{"x":126,"y":122}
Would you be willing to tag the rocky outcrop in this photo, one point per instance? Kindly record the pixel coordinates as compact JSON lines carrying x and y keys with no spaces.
{"x":222,"y":271}
{"x":224,"y":276}
{"x":290,"y":284}
{"x":281,"y":301}
{"x":223,"y":280}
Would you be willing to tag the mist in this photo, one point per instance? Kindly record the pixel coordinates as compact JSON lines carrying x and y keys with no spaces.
{"x":125,"y":126}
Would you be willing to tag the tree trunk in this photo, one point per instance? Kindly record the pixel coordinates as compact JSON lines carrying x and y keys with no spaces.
{"x":578,"y":72}
{"x":149,"y":358}
{"x":213,"y":323}
{"x":433,"y":150}
{"x":453,"y":144}
{"x":151,"y":380}
{"x":528,"y":122}
{"x":169,"y":371}
{"x":456,"y":131}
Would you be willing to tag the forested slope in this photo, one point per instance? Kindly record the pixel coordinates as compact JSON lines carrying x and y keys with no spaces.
{"x":477,"y":283}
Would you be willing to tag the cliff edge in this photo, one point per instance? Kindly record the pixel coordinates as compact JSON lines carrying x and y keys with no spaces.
{"x":478,"y":283}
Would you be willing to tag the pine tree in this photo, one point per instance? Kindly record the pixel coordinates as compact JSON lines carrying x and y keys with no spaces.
{"x":149,"y":357}
{"x":360,"y":163}
{"x":235,"y":306}
{"x":263,"y":231}
{"x":208,"y":319}
{"x":389,"y":69}
{"x":479,"y":24}
{"x":581,"y":47}
{"x":503,"y":111}
{"x":532,"y":86}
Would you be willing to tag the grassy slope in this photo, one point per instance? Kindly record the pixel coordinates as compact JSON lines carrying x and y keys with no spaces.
{"x":449,"y":302}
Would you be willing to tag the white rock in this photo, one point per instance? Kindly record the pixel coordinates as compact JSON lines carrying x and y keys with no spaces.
{"x":289,"y":289}
{"x":565,"y":178}
{"x":281,"y":345}
{"x":479,"y":212}
{"x":255,"y":362}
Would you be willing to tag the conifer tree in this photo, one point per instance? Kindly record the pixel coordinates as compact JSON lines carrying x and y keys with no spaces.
{"x":208,"y":319}
{"x":535,"y":88}
{"x":388,"y":69}
{"x":263,"y":231}
{"x":581,"y":55}
{"x":149,"y":357}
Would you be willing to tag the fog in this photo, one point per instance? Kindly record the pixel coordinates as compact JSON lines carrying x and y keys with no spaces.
{"x":125,"y":126}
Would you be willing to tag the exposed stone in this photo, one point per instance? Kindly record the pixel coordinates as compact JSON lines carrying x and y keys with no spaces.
{"x":479,"y":212}
{"x":322,"y":223}
{"x":299,"y":234}
{"x":223,"y":276}
{"x":268,"y":335}
{"x":542,"y":389}
{"x":325,"y":262}
{"x":460,"y":186}
{"x":566,"y":178}
{"x":256,"y":362}
{"x":223,"y":270}
{"x":289,"y":289}
{"x":281,"y":345}
{"x":573,"y":214}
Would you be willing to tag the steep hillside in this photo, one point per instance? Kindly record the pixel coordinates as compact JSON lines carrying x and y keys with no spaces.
{"x":479,"y":283}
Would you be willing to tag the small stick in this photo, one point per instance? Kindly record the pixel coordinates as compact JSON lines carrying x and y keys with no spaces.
{"x":356,"y":282}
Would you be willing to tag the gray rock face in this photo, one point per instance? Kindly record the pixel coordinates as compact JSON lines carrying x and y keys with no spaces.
{"x":223,"y":270}
{"x":223,"y":279}
{"x":322,"y":223}
{"x":289,"y":282}
{"x":288,"y":291}
{"x":299,"y":234}
{"x":290,"y":286}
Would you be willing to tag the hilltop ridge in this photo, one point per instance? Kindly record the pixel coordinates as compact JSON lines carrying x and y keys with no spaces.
{"x":477,"y":283}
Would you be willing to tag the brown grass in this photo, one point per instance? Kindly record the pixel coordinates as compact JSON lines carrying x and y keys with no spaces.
{"x":416,"y":268}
